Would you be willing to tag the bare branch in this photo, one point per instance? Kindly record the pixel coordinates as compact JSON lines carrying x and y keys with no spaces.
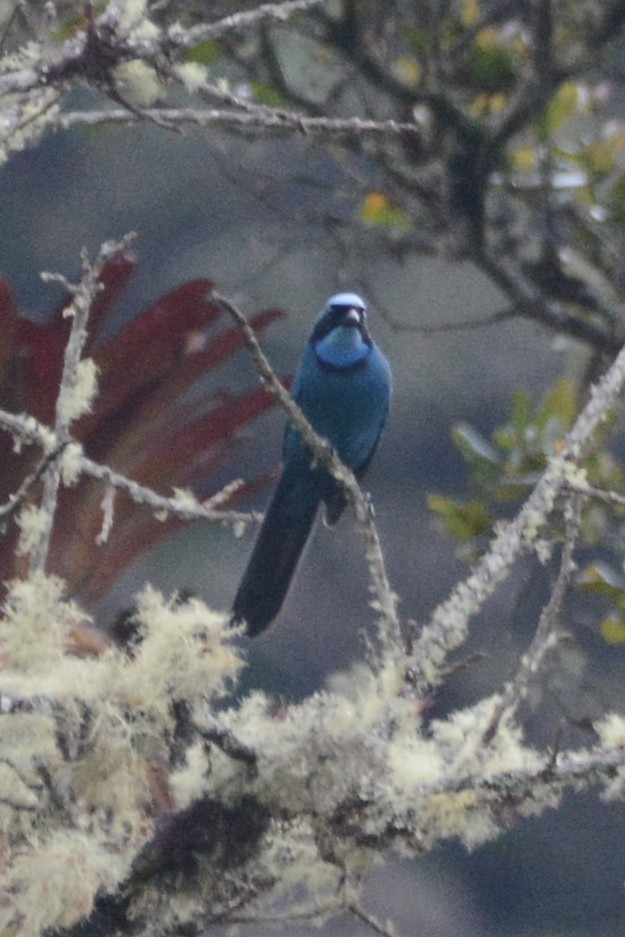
{"x":93,"y":54}
{"x":270,"y":119}
{"x":352,"y":904}
{"x":529,"y":302}
{"x":272,"y":12}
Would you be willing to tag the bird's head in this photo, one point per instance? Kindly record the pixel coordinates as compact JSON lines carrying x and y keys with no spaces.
{"x":340,"y":335}
{"x":343,"y":310}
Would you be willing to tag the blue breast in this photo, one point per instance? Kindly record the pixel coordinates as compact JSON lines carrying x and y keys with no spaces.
{"x":348,"y":404}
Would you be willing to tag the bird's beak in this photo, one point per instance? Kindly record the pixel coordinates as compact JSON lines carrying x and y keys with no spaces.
{"x":352,"y":317}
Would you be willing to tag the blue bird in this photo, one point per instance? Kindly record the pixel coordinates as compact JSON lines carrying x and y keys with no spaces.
{"x":343,"y":386}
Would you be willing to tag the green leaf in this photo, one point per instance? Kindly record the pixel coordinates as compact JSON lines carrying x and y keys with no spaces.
{"x":380,"y":211}
{"x":419,"y":40}
{"x":563,"y":106}
{"x":616,"y":201}
{"x":463,"y":521}
{"x":204,"y":53}
{"x":474,"y":447}
{"x":561,"y":402}
{"x":75,"y":23}
{"x":602,"y":579}
{"x":266,"y":94}
{"x":492,"y":67}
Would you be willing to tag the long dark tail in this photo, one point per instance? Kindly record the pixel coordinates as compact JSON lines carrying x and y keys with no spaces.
{"x":282,"y":537}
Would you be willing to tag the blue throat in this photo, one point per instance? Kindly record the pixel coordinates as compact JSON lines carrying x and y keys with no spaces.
{"x":343,"y":347}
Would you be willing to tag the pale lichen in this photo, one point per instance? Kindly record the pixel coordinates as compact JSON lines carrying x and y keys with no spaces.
{"x":185,"y":498}
{"x":35,"y":624}
{"x":77,"y":397}
{"x":53,"y":882}
{"x":33,"y":521}
{"x":189,"y":782}
{"x":139,"y":82}
{"x":71,"y":463}
{"x":192,"y":75}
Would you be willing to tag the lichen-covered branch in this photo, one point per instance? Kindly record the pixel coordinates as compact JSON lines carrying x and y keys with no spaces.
{"x":446,"y":629}
{"x":77,"y":387}
{"x":183,"y":505}
{"x":267,"y":119}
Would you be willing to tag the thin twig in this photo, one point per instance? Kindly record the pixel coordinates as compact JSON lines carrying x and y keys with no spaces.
{"x":212,"y":731}
{"x":352,"y":904}
{"x":589,"y":491}
{"x":17,"y":499}
{"x":530,"y":303}
{"x":186,"y":508}
{"x":272,"y":12}
{"x":508,"y":787}
{"x":108,"y":515}
{"x":11,"y":704}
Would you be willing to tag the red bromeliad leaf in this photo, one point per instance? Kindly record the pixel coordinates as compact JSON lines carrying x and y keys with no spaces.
{"x":187,"y":456}
{"x":187,"y":448}
{"x":13,"y":465}
{"x":141,"y":424}
{"x":40,"y":348}
{"x":7,"y":330}
{"x":147,"y":412}
{"x":142,"y":353}
{"x":200,"y":355}
{"x":114,"y":279}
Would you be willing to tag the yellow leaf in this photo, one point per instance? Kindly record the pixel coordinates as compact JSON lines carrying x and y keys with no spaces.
{"x":613,"y":629}
{"x":524,"y":158}
{"x":563,"y":106}
{"x":600,"y":157}
{"x":407,"y":70}
{"x":379,"y":209}
{"x":561,"y":402}
{"x":488,"y":37}
{"x":470,"y":12}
